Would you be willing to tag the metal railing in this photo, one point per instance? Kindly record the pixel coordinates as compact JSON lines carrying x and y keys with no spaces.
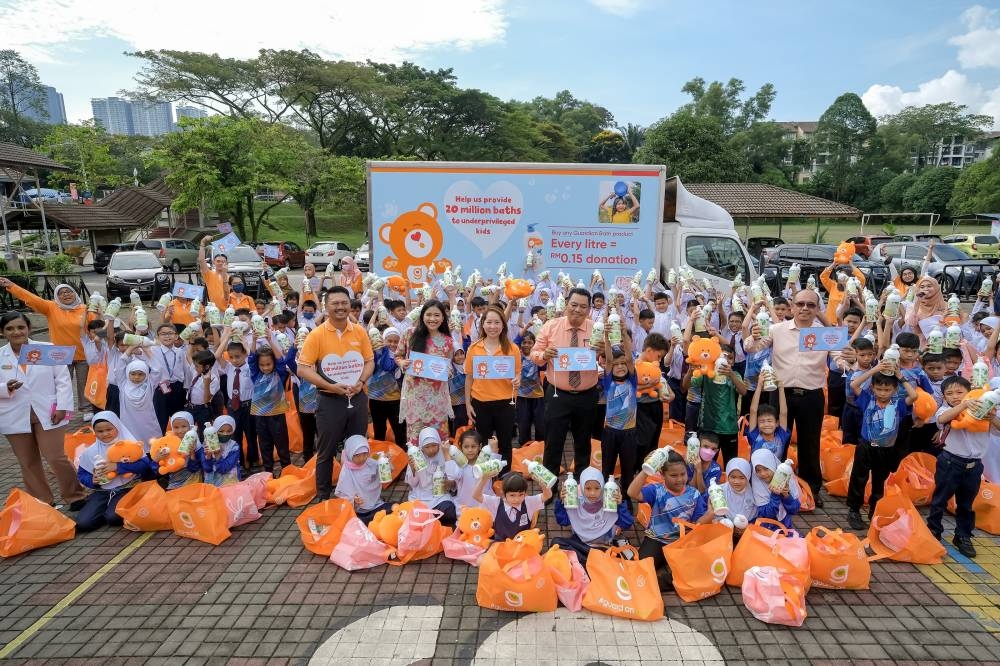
{"x":42,"y":285}
{"x":965,"y":279}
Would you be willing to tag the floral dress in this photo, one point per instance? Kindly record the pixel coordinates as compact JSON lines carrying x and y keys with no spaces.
{"x":426,"y":403}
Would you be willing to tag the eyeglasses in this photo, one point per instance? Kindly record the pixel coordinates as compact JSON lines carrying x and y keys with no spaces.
{"x":806,"y":304}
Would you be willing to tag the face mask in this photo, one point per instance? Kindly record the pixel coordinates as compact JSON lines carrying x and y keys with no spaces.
{"x":707,"y":453}
{"x":224,"y":438}
{"x":308,"y":315}
{"x":238,"y":288}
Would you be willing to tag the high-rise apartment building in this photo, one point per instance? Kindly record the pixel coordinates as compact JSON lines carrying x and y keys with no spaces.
{"x":114,"y":114}
{"x":151,"y":118}
{"x":53,"y":109}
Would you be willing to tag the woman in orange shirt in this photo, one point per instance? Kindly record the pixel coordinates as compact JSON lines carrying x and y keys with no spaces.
{"x":490,"y":403}
{"x":238,"y":299}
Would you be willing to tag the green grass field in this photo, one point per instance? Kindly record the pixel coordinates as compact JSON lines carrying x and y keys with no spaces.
{"x":286,"y":222}
{"x":836,"y":231}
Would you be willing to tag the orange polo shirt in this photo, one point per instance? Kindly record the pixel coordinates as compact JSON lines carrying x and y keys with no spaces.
{"x":182,"y":312}
{"x":64,"y":325}
{"x":326,"y":342}
{"x":242,"y":301}
{"x":486,"y":390}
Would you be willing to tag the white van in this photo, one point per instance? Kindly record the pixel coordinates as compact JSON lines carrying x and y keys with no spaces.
{"x":701,"y":234}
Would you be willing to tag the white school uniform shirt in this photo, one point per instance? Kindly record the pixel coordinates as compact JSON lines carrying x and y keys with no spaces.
{"x":197,"y":388}
{"x":965,"y":443}
{"x":44,"y":388}
{"x":171,"y":363}
{"x":117,"y":362}
{"x":465,"y":482}
{"x":401,"y":325}
{"x":246,"y":382}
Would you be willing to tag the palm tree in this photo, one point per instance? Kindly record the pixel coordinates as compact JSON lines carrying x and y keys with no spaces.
{"x":634,"y":136}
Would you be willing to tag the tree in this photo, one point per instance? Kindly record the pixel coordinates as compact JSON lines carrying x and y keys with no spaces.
{"x":579,"y":119}
{"x":842,"y":131}
{"x":977,"y":189}
{"x":694,"y":148}
{"x":320,"y":178}
{"x":607,"y":147}
{"x":86,"y":149}
{"x":891,"y":194}
{"x":20,"y":90}
{"x":722,"y":102}
{"x":765,"y":148}
{"x":634,"y":136}
{"x":931,"y":191}
{"x":923,"y":127}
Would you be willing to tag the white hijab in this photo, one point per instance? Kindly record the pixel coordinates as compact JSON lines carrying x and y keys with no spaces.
{"x":740,"y":503}
{"x":362,"y":481}
{"x":77,"y":301}
{"x":591,"y":526}
{"x":761,"y":491}
{"x":136,"y":395}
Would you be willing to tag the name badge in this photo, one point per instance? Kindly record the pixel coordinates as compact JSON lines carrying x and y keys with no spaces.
{"x":524,"y":520}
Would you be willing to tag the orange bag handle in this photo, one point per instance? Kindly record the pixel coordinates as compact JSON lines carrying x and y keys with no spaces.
{"x":779,"y":526}
{"x":685,"y":526}
{"x":616,"y":551}
{"x":829,"y":535}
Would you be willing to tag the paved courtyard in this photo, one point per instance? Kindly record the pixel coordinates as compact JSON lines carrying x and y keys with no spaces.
{"x":115,"y":596}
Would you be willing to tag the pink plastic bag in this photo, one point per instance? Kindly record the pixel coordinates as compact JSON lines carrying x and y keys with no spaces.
{"x":421,"y":535}
{"x":570,"y":592}
{"x":775,"y":597}
{"x":895,"y":532}
{"x":241,"y":507}
{"x":358,"y":548}
{"x":789,"y":545}
{"x":258,"y":487}
{"x":457,"y":549}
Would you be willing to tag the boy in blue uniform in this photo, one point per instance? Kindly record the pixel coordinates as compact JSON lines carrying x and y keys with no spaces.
{"x":619,"y":439}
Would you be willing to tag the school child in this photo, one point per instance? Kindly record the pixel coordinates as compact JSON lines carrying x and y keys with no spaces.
{"x":591,"y":525}
{"x":674,"y":498}
{"x":96,"y":350}
{"x":739,"y":494}
{"x":516,"y":510}
{"x":777,"y":504}
{"x":850,"y":420}
{"x":959,"y":469}
{"x":881,"y":414}
{"x":952,"y":361}
{"x":269,"y":370}
{"x":718,"y":404}
{"x":910,"y":438}
{"x":205,"y":384}
{"x":836,"y":382}
{"x":471,"y":444}
{"x":239,"y":391}
{"x":649,"y":407}
{"x":99,"y":508}
{"x":934,"y":368}
{"x":456,"y":389}
{"x":359,"y":482}
{"x":223,"y":468}
{"x":422,"y":483}
{"x":180,"y":423}
{"x":702,"y":474}
{"x":530,"y":400}
{"x":768,"y":427}
{"x":384,"y":391}
{"x":619,"y":440}
{"x":138,"y":414}
{"x":170,"y":393}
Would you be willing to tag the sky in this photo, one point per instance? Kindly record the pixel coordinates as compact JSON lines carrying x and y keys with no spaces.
{"x":630,"y":56}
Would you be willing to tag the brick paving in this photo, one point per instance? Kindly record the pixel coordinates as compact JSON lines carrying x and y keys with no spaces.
{"x":260,"y":598}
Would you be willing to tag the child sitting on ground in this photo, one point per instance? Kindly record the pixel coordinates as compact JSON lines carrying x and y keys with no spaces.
{"x":471,"y":444}
{"x":359,"y":481}
{"x":590,"y":523}
{"x":516,"y":511}
{"x":422,"y":483}
{"x":775,"y":503}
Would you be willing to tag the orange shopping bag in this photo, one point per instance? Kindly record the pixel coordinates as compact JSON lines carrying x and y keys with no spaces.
{"x":530,"y":451}
{"x":296,"y":486}
{"x":807,"y":502}
{"x":420,"y":536}
{"x":75,"y":442}
{"x":742,"y":443}
{"x":144,"y":508}
{"x":198,"y":511}
{"x":513,"y":577}
{"x":759,"y":546}
{"x":397,"y":457}
{"x":834,"y":459}
{"x":292,"y":423}
{"x":700,"y":559}
{"x":898,"y":532}
{"x":321,"y":525}
{"x":838,"y":560}
{"x":621,"y":587}
{"x":986,"y":505}
{"x":915,"y":477}
{"x":27,"y":523}
{"x":672,"y":434}
{"x":96,"y":390}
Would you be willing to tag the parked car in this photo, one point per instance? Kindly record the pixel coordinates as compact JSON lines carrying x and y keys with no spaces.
{"x":327,"y":252}
{"x":813,"y":260}
{"x":863,"y":244}
{"x":759,"y":246}
{"x":139,"y":270}
{"x":245,"y":262}
{"x":363,"y":257}
{"x":915,"y":238}
{"x":955,"y":270}
{"x":290,"y":255}
{"x":977,"y":246}
{"x":175,"y":254}
{"x":104,"y":252}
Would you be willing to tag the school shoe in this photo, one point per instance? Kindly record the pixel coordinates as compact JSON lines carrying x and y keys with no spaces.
{"x":964,"y":546}
{"x":855,"y":520}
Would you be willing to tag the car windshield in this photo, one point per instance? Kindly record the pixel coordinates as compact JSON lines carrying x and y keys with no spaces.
{"x":125,"y":262}
{"x":243,"y":255}
{"x":323,"y":247}
{"x":363,"y":248}
{"x":948,"y":253}
{"x":987,"y":240}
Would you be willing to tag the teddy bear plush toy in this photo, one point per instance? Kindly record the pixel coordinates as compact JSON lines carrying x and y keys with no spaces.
{"x":476,"y":526}
{"x":648,"y":372}
{"x":165,"y":451}
{"x":702,"y":354}
{"x":124,"y":451}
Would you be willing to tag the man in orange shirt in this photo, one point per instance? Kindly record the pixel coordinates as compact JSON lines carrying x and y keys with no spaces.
{"x":216,"y":278}
{"x":571,"y":396}
{"x":334,"y":351}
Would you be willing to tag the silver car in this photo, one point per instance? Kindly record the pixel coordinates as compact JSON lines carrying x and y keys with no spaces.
{"x":245,"y":262}
{"x":174,"y":254}
{"x":327,"y":252}
{"x":956,"y":272}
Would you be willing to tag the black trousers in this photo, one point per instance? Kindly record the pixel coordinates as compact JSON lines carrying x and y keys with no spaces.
{"x":568,"y":413}
{"x":959,"y":478}
{"x":850,"y":424}
{"x":246,"y":428}
{"x":874,"y":460}
{"x":597,"y":423}
{"x":530,"y":414}
{"x":805,"y":413}
{"x":496,"y":417}
{"x":308,"y":423}
{"x":203,"y":414}
{"x":648,"y":425}
{"x":113,"y":401}
{"x":460,"y":421}
{"x":623,"y":445}
{"x":653,"y":548}
{"x":387,"y":412}
{"x":272,"y":433}
{"x":835,"y":396}
{"x":678,"y":406}
{"x":167,"y":404}
{"x":335,"y":422}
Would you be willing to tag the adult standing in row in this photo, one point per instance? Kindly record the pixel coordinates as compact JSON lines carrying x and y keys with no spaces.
{"x":342,"y":407}
{"x":66,"y":315}
{"x":489,"y":403}
{"x":571,"y":396}
{"x":214,"y":275}
{"x":34,"y":400}
{"x":426,"y":402}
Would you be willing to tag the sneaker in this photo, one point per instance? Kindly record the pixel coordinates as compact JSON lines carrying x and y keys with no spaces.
{"x":855,"y":520}
{"x":77,"y":505}
{"x":818,"y":500}
{"x":964,"y":546}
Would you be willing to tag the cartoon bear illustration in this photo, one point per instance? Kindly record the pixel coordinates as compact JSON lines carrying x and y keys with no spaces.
{"x":415,"y":240}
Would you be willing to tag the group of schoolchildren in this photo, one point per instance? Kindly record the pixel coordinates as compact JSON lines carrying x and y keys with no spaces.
{"x":240,"y":381}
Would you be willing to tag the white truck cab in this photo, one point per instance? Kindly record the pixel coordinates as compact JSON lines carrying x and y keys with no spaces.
{"x":701,"y":235}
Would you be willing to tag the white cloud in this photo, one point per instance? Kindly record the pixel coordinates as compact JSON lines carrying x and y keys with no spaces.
{"x":386,"y":30}
{"x":980,"y":46}
{"x":623,"y":8}
{"x":951,"y":87}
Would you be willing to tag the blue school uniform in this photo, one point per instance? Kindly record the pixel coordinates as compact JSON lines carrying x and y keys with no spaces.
{"x":778,"y":444}
{"x":665,"y":506}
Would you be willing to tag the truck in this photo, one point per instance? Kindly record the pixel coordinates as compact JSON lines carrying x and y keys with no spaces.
{"x":533,"y":218}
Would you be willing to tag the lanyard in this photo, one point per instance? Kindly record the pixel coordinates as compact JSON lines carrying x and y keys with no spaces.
{"x":170,"y":368}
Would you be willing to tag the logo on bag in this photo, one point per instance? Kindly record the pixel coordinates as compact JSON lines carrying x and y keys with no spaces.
{"x":236,"y":508}
{"x":622,"y":589}
{"x":186,"y":520}
{"x":719,"y":570}
{"x":839,"y":574}
{"x":513,"y":599}
{"x":142,"y":512}
{"x":987,"y":494}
